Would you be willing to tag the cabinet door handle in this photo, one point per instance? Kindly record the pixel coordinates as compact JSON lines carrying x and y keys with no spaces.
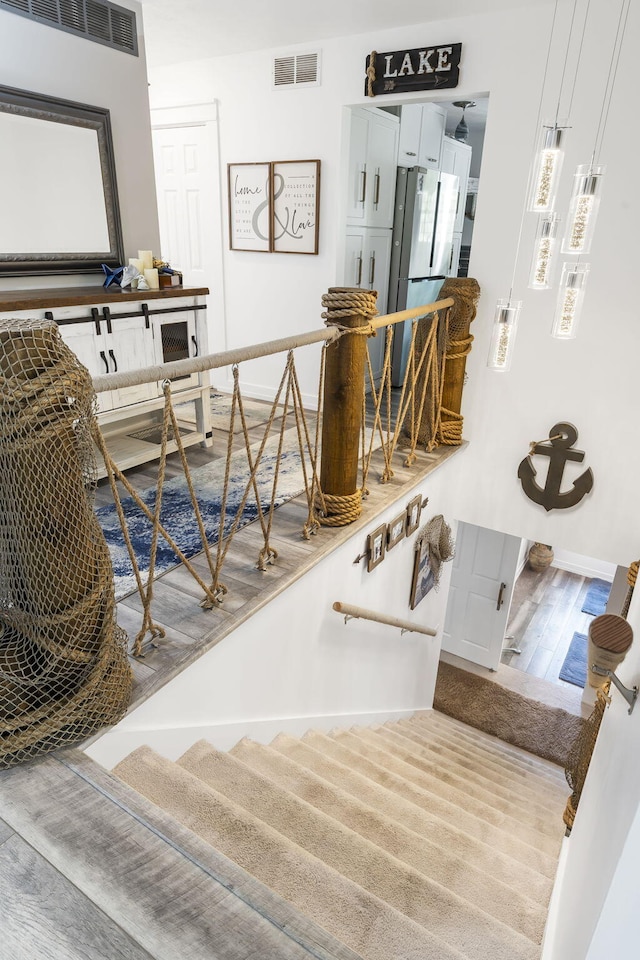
{"x":363,"y":186}
{"x":503,"y":587}
{"x":432,"y":159}
{"x":359,"y":274}
{"x":115,"y":362}
{"x":411,"y":153}
{"x":103,"y":357}
{"x":372,"y":270}
{"x":376,"y":189}
{"x":195,"y":346}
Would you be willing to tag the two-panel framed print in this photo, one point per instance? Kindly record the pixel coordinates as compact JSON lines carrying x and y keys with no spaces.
{"x":295,"y":188}
{"x":250,"y":206}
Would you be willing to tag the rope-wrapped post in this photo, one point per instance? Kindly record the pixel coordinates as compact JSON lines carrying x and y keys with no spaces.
{"x":349,"y":309}
{"x":465,"y":292}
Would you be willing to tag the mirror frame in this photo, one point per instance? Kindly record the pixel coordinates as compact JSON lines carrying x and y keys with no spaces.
{"x":41,"y":107}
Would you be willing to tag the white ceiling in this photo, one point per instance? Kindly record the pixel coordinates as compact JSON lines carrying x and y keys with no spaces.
{"x":180,"y":30}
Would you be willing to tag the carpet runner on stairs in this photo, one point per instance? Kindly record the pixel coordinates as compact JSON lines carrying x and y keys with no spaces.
{"x":416,"y":840}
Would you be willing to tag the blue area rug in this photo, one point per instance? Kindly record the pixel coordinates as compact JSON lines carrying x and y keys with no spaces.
{"x":596,"y":598}
{"x":177,"y":514}
{"x":574,"y":668}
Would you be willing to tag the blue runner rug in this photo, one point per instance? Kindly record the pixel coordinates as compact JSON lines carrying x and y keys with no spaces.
{"x":574,"y":668}
{"x":596,"y":598}
{"x":177,"y":514}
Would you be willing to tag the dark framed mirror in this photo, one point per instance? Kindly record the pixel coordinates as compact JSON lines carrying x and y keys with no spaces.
{"x":59,"y":208}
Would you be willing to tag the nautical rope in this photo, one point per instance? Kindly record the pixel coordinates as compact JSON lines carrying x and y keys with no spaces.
{"x":341,"y":509}
{"x":371,"y":73}
{"x":347,"y":303}
{"x":632,"y":576}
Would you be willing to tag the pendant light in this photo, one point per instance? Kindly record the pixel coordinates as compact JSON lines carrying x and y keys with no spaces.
{"x":570,"y":298}
{"x":583,"y":208}
{"x":543,"y":251}
{"x":505,"y":325}
{"x":546,"y":169}
{"x":461,"y":132}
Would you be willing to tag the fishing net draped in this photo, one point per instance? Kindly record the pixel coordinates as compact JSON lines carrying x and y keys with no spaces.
{"x":64,"y":671}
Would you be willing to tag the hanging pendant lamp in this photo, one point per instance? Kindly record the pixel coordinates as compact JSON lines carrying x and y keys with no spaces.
{"x":461,"y":132}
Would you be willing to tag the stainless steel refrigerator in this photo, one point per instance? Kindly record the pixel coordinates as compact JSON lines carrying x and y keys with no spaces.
{"x":422,"y":247}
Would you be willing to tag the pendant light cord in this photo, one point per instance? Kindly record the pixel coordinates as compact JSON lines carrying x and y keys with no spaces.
{"x":611,"y":79}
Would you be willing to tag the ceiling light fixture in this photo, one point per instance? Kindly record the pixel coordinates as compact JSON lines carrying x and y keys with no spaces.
{"x":461,"y":132}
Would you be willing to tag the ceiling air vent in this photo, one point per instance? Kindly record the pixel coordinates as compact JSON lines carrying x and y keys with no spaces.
{"x":302,"y":69}
{"x":98,"y":20}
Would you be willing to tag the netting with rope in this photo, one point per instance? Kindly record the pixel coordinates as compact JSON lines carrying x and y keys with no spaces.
{"x":64,"y":671}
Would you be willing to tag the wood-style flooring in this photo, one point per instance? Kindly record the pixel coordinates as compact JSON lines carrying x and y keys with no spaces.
{"x":545,"y":613}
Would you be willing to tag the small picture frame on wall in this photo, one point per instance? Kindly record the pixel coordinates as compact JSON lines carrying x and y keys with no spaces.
{"x":414,"y":509}
{"x":376,"y":543}
{"x":395,"y":530}
{"x":249,"y":206}
{"x":423,"y":580}
{"x":295,"y":214}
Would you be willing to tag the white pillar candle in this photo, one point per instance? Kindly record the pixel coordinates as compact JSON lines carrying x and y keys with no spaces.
{"x":147,"y":259}
{"x":151,"y":276}
{"x":137,"y":263}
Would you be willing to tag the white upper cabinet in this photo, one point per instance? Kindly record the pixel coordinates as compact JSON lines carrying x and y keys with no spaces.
{"x":421,"y":135}
{"x":373,"y":153}
{"x":456,"y":159}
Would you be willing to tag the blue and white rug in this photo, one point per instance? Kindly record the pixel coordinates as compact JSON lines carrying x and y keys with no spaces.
{"x":177,"y":514}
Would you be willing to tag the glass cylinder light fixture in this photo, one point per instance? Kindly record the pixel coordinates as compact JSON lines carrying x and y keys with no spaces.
{"x":505,"y":323}
{"x":546,"y":169}
{"x":583,"y":209}
{"x":570,"y":297}
{"x":543,"y":251}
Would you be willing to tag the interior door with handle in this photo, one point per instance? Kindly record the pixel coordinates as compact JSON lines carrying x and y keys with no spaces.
{"x":482,"y":582}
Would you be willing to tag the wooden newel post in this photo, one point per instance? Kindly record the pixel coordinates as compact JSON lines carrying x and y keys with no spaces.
{"x":342,"y":405}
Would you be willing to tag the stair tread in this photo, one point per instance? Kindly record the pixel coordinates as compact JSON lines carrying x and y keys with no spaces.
{"x":128,"y":858}
{"x":490,"y":742}
{"x":351,"y":769}
{"x":443,"y":742}
{"x":481,"y":805}
{"x":524,"y":800}
{"x":357,"y":918}
{"x":434,"y":905}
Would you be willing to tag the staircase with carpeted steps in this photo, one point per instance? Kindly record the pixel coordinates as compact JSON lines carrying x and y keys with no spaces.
{"x":420,"y":839}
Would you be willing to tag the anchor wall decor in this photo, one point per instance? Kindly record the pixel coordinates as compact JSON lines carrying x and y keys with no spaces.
{"x":559,"y":449}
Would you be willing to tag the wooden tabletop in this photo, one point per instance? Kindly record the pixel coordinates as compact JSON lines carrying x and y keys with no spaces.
{"x":45,"y":299}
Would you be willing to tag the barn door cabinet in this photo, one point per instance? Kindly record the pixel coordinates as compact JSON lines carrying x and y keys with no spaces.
{"x":128,"y":331}
{"x":373,"y":153}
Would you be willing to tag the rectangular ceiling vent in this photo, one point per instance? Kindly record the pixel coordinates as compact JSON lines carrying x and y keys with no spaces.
{"x":98,"y":20}
{"x":298,"y":70}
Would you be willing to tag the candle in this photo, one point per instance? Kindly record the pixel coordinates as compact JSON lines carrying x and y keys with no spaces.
{"x":151,"y":276}
{"x":147,"y":259}
{"x":137,"y":263}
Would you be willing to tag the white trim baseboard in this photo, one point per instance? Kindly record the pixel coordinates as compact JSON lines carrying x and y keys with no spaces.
{"x":172,"y":742}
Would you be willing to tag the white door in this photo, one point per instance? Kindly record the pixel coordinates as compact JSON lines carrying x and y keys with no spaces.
{"x":482,"y":582}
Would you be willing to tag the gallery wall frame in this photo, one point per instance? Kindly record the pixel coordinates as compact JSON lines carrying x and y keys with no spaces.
{"x":414,"y":509}
{"x":274,"y":206}
{"x":423,"y":579}
{"x":250,"y":206}
{"x":396,"y":529}
{"x":376,"y":543}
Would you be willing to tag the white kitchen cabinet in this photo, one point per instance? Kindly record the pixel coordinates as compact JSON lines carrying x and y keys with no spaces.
{"x":373,"y":153}
{"x":368,"y":258}
{"x":421,"y":135}
{"x":456,"y":159}
{"x":116,"y":332}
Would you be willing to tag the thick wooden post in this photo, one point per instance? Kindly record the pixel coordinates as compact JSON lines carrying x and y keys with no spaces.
{"x":342,"y":408}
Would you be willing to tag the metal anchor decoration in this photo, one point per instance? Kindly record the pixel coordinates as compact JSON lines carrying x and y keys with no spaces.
{"x":559,"y":450}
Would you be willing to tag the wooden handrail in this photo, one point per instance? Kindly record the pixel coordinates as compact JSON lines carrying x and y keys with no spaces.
{"x":360,"y":613}
{"x":213,"y":361}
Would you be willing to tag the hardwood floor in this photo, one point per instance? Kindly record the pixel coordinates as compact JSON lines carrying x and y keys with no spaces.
{"x":545,"y":613}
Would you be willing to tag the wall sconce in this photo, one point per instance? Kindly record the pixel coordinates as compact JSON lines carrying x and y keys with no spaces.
{"x":505,"y":323}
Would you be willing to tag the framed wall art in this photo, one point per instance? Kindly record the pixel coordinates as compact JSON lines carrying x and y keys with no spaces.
{"x":395,"y":530}
{"x":250,"y":206}
{"x":295,"y":188}
{"x":423,"y":577}
{"x":376,"y":543}
{"x":414,"y":509}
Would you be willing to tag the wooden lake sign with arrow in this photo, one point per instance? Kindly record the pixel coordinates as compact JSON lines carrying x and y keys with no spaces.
{"x":424,"y":68}
{"x":559,"y":449}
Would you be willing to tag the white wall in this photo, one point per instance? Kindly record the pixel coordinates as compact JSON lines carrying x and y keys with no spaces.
{"x":297,"y":664}
{"x":45,"y":60}
{"x":599,"y":890}
{"x":589,"y":381}
{"x":584,"y":566}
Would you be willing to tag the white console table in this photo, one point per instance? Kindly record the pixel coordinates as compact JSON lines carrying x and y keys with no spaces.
{"x":112,"y":331}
